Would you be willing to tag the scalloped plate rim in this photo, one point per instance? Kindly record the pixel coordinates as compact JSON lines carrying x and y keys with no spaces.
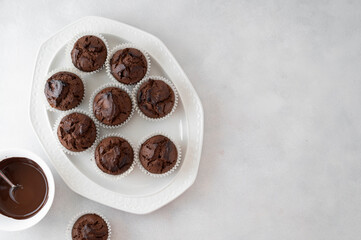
{"x":149,"y":205}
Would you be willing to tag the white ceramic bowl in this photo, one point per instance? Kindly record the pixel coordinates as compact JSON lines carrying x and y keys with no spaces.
{"x":10,"y":224}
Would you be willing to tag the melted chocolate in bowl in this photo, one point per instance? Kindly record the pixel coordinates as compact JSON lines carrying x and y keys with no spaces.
{"x":33,"y":193}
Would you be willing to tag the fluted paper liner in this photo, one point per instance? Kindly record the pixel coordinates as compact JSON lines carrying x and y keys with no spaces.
{"x":55,"y":128}
{"x":69,"y":228}
{"x":123,"y":46}
{"x":135,"y":92}
{"x":117,"y":85}
{"x":179,"y":157}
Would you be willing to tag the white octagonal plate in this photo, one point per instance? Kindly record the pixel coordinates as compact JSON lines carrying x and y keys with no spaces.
{"x":136,"y":193}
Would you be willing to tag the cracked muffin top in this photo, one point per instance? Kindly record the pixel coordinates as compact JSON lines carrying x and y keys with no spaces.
{"x":158,"y":154}
{"x":91,"y":227}
{"x":155,"y":98}
{"x":76,"y":132}
{"x":64,"y":90}
{"x":89,"y":53}
{"x":128,"y":65}
{"x":114,"y":155}
{"x":112,"y":106}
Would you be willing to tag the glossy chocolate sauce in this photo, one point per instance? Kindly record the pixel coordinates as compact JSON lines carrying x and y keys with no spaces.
{"x":33,"y":193}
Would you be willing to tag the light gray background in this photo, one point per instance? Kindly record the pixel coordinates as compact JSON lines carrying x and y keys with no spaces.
{"x":280,"y":83}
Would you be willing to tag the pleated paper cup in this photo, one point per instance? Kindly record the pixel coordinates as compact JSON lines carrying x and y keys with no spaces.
{"x":116,"y":85}
{"x":70,"y":70}
{"x":169,"y":83}
{"x":71,"y":43}
{"x":123,"y":46}
{"x":68,"y":232}
{"x":55,"y":129}
{"x":179,"y":156}
{"x":107,"y":175}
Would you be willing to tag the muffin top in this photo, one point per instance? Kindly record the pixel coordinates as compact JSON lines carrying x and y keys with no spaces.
{"x":112,"y":106}
{"x":114,"y":155}
{"x":64,"y":90}
{"x":76,"y":132}
{"x":155,"y":98}
{"x":128,"y":65}
{"x":89,"y":53}
{"x":158,"y":154}
{"x":90,"y":227}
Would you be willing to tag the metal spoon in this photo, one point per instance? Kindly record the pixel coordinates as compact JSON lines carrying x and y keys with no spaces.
{"x":13,"y":186}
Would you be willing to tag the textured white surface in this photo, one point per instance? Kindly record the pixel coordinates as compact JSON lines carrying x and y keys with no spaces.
{"x":280,"y":86}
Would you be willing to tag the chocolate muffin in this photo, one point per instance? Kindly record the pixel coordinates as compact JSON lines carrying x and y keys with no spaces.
{"x":76,"y":132}
{"x":91,"y":227}
{"x":128,"y":65}
{"x":112,"y":106}
{"x":89,"y":53}
{"x":155,"y":98}
{"x":114,"y":155}
{"x":158,"y":154}
{"x":64,"y":90}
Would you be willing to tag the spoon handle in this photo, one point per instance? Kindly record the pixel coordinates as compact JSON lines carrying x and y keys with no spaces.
{"x":6,"y":179}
